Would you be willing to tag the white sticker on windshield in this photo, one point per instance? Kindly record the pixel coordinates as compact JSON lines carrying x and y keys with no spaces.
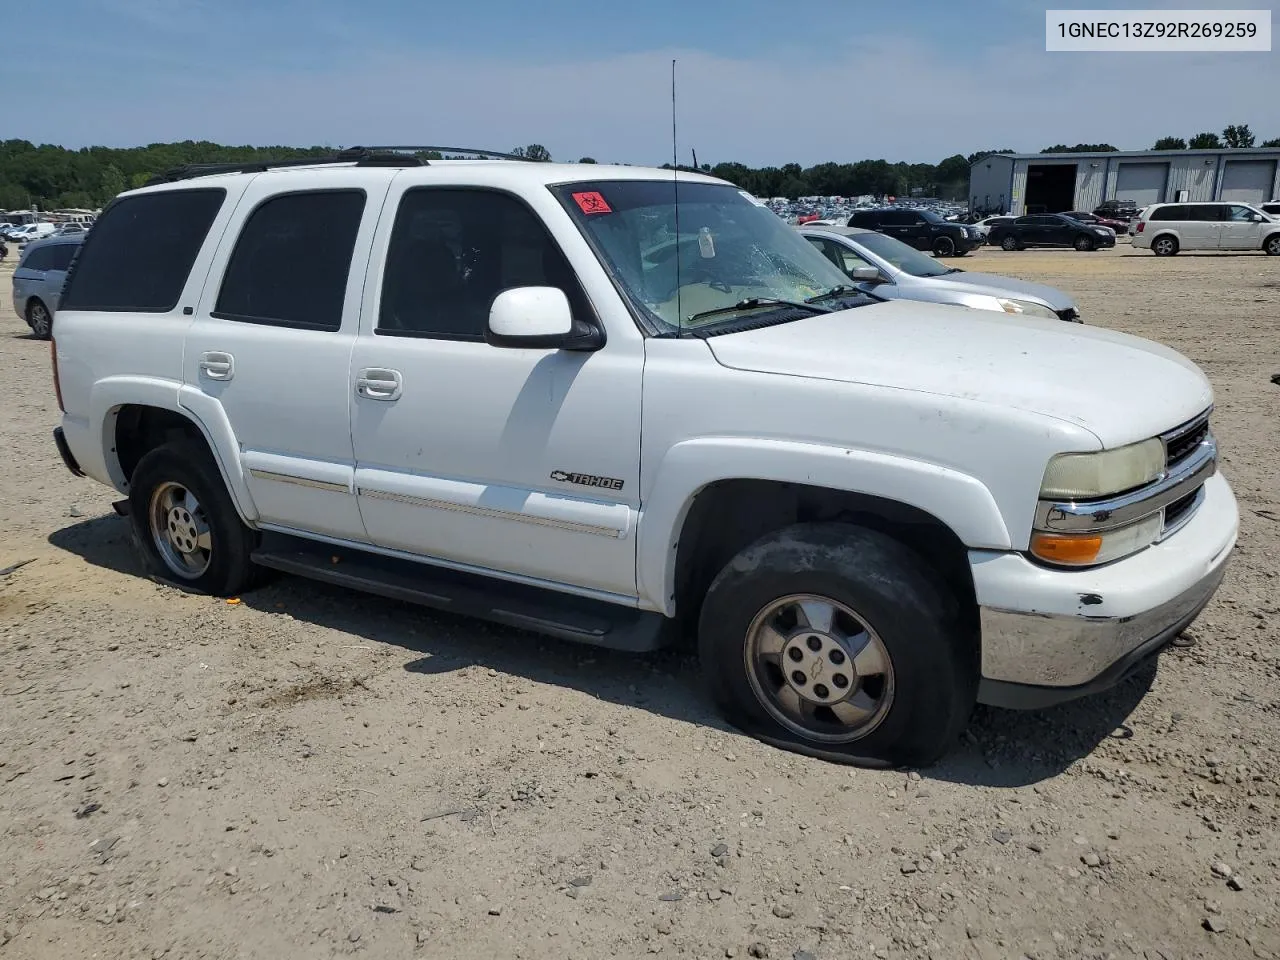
{"x":755,"y":200}
{"x":706,"y":244}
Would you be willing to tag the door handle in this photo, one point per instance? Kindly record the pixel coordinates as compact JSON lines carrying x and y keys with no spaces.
{"x":378,"y":383}
{"x":217,"y":365}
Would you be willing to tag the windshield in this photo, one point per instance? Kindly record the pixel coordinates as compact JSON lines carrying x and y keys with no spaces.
{"x":903,"y":256}
{"x":730,"y":249}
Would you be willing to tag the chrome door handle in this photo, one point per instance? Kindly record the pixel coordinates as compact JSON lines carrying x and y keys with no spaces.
{"x":377,"y":383}
{"x":217,"y":365}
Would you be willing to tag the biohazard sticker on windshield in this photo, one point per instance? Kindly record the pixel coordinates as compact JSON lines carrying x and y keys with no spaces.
{"x":592,"y":202}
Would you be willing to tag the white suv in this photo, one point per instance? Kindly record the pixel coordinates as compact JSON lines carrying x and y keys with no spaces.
{"x":1166,"y":228}
{"x":529,"y":392}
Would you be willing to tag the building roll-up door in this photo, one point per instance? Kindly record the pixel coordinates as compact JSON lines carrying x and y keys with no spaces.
{"x":1248,"y":181}
{"x":1143,"y":183}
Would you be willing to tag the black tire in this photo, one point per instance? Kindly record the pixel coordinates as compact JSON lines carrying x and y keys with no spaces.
{"x":1010,"y":243}
{"x":933,"y":665}
{"x":1272,"y":245}
{"x":1164,"y":245}
{"x":1083,"y":244}
{"x":39,"y":319}
{"x":944,"y":247}
{"x":189,"y":466}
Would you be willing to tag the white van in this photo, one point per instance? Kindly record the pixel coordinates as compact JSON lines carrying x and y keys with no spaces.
{"x":1167,"y":228}
{"x":32,"y":231}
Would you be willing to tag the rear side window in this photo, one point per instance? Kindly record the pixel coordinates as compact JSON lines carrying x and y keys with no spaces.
{"x":290,"y":264}
{"x":137,"y":257}
{"x":1211,"y":212}
{"x":863,"y":220}
{"x":1169,"y":213}
{"x":62,"y":255}
{"x":41,"y":258}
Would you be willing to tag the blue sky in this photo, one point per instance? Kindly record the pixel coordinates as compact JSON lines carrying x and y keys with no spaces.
{"x":760,"y":81}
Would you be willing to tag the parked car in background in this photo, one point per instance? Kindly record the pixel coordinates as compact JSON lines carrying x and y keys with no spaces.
{"x":73,"y":227}
{"x":922,"y":229}
{"x":984,"y":225}
{"x":1271,"y":209}
{"x":31,"y":231}
{"x":1123,"y":210}
{"x":38,"y":280}
{"x":1112,"y":224}
{"x":1166,"y":228}
{"x":887,"y":267}
{"x":1050,"y":230}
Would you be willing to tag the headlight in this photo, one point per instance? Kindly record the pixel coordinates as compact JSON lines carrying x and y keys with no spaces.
{"x":1102,"y":231}
{"x":1086,"y":476}
{"x":1026,"y":308}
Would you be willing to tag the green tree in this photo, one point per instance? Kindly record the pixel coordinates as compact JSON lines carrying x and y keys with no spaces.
{"x":1170,"y":143}
{"x":1271,"y":143}
{"x":586,"y":160}
{"x":1205,"y":141}
{"x":534,"y":151}
{"x":1238,"y":136}
{"x":112,"y":183}
{"x":1081,"y":148}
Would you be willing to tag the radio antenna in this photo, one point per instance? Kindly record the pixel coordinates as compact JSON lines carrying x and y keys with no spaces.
{"x":675,"y":192}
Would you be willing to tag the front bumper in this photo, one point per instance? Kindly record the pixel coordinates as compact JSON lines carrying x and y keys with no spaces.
{"x":1049,"y":636}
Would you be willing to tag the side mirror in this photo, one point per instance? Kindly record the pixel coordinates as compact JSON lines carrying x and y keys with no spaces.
{"x":537,"y":318}
{"x":865,"y":274}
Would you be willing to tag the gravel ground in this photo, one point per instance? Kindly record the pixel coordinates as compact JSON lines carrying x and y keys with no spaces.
{"x":316,"y":773}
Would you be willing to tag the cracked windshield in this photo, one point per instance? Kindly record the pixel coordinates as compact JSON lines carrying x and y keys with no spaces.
{"x":731,"y":258}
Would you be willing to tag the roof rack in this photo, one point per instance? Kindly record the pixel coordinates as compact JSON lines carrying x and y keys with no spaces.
{"x":397,"y":156}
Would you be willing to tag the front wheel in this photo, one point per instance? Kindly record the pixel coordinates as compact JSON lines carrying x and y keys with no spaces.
{"x":1084,"y":244}
{"x":185,"y":524}
{"x":836,"y":641}
{"x":1010,"y":243}
{"x":944,"y":247}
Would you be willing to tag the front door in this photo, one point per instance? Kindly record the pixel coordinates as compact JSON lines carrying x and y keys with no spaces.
{"x":1242,"y":229}
{"x":518,"y":461}
{"x":269,"y":348}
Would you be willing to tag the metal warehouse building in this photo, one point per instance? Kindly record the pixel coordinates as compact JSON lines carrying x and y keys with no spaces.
{"x":1026,"y":183}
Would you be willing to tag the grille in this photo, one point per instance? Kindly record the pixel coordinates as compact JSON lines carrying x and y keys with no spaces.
{"x":1182,"y":442}
{"x":1179,"y":509}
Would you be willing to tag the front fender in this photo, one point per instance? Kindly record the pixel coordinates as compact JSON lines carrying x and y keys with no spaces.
{"x":960,"y":501}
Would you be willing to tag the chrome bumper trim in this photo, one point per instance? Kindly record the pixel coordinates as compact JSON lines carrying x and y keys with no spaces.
{"x":1096,"y":516}
{"x":1066,"y":651}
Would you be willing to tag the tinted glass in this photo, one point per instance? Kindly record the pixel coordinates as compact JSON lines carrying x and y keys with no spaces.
{"x":62,"y":255}
{"x":1169,"y":213}
{"x":453,"y":251}
{"x":1027,"y":221}
{"x":140,"y":251}
{"x":1211,"y":212}
{"x":291,"y":261}
{"x":863,"y":220}
{"x":901,"y":218}
{"x":1241,"y":214}
{"x":41,"y":258}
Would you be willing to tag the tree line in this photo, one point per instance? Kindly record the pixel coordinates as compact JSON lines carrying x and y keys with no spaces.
{"x":52,"y":177}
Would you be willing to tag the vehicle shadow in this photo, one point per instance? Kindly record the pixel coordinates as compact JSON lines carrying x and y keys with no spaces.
{"x":1001,"y":748}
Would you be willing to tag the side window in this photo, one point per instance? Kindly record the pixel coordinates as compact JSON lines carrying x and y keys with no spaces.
{"x":826,"y":248}
{"x":1241,"y":214}
{"x":1169,"y":213}
{"x":1210,"y":212}
{"x":137,"y":257}
{"x":41,"y":258}
{"x":290,"y":264}
{"x":1025,"y":221}
{"x":862,"y":220}
{"x":848,"y":260}
{"x":63,"y":254}
{"x":453,"y":251}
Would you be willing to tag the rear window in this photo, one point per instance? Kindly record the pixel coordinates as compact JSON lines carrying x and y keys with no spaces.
{"x":37,"y":258}
{"x":137,"y":257}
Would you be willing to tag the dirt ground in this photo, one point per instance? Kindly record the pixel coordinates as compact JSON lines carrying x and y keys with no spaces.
{"x":313,"y":773}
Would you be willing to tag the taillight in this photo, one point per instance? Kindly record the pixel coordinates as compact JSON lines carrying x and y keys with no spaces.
{"x":1141,"y":224}
{"x":57,"y":386}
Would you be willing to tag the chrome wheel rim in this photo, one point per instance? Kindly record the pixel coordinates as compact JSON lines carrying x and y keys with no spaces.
{"x":1273,"y":246}
{"x":1009,"y":243}
{"x":1084,"y":243}
{"x":39,"y":320}
{"x":180,"y":530}
{"x":1164,"y":246}
{"x":819,"y":668}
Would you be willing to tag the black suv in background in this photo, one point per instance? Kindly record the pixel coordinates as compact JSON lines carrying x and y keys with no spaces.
{"x":922,"y":229}
{"x":1117,"y":210}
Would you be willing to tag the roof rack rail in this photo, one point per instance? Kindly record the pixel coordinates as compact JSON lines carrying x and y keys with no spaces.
{"x":396,"y":156}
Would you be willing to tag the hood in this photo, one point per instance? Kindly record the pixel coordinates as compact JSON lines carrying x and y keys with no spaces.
{"x":991,"y":284}
{"x":1119,"y":387}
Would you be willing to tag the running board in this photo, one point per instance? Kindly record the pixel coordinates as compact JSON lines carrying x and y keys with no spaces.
{"x":548,"y":612}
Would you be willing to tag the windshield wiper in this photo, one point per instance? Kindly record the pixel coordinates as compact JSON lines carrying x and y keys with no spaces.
{"x":753,"y":302}
{"x":952,"y":270}
{"x":837,"y":291}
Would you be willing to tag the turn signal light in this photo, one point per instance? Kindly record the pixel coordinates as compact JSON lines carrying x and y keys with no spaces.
{"x":1069,"y":550}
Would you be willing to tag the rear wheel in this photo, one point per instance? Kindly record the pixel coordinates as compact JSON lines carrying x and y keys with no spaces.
{"x":39,"y":319}
{"x":1010,"y":243}
{"x":185,"y":524}
{"x":835,"y":641}
{"x":1272,"y":245}
{"x":1084,"y":244}
{"x":944,"y":247}
{"x":1164,"y":246}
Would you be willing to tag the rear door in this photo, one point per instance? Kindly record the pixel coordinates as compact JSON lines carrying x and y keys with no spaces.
{"x":29,"y":279}
{"x":269,"y":349}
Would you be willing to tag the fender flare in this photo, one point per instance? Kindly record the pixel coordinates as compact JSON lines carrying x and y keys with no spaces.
{"x":958,"y":500}
{"x":111,"y":394}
